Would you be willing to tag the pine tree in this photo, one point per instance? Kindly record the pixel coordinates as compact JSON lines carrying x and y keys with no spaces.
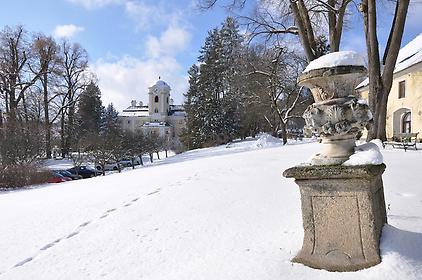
{"x":231,"y":42}
{"x":113,"y":133}
{"x":211,"y":89}
{"x":220,"y":83}
{"x":192,"y":135}
{"x":90,"y":110}
{"x":109,"y":121}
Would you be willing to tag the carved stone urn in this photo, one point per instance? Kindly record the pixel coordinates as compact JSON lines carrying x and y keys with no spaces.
{"x":343,"y":207}
{"x":337,"y":115}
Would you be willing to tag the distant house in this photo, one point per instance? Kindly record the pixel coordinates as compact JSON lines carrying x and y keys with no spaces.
{"x":159,"y":116}
{"x":404,"y":108}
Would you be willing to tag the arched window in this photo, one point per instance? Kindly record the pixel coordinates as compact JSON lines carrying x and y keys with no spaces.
{"x":406,"y":123}
{"x":156,"y":110}
{"x":156,"y":99}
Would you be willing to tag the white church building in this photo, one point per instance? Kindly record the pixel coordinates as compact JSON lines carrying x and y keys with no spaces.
{"x":159,"y":116}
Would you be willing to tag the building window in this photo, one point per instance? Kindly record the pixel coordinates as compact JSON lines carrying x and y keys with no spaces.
{"x":128,"y":122}
{"x":156,"y":110}
{"x":167,"y":100}
{"x":406,"y":123}
{"x":402,"y":89}
{"x":156,"y":99}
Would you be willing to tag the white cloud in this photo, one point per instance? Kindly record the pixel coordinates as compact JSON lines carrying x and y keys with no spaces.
{"x":171,"y":41}
{"x":67,"y":30}
{"x":126,"y":78}
{"x":93,"y":4}
{"x":146,"y":16}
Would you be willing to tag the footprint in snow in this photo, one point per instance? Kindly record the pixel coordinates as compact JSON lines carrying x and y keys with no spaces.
{"x":72,"y":234}
{"x":154,"y":192}
{"x":85,"y":224}
{"x":23,"y":262}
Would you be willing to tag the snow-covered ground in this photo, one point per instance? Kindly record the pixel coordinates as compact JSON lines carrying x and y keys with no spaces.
{"x":217,"y":213}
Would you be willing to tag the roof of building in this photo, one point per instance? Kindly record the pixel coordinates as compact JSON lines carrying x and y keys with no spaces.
{"x":160,"y":84}
{"x":408,"y":56}
{"x":155,"y":124}
{"x":135,"y":111}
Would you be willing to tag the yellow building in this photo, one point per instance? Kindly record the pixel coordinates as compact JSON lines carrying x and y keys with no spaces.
{"x":404,"y":108}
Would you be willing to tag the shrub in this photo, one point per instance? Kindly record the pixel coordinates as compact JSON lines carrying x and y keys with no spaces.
{"x":22,"y":175}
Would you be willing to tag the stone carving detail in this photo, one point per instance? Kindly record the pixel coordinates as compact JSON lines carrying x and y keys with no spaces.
{"x":337,"y":115}
{"x":338,"y":119}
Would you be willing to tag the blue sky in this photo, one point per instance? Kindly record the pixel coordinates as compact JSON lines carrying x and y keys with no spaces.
{"x":132,"y":42}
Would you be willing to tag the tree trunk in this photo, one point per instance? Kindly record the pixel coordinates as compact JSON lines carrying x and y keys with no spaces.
{"x":284,"y":133}
{"x":140,"y":160}
{"x":302,"y":31}
{"x":158,"y":155}
{"x":62,"y":135}
{"x":150,"y":157}
{"x":380,"y":86}
{"x":47,"y":126}
{"x":368,"y":8}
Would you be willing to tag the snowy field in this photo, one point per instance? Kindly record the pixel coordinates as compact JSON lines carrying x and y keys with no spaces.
{"x":219,"y":214}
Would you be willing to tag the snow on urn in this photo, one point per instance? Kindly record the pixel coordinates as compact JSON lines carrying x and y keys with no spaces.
{"x":337,"y":115}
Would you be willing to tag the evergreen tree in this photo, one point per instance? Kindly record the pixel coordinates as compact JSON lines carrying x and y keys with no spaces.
{"x":109,"y":121}
{"x":231,"y":42}
{"x":90,"y":110}
{"x":192,"y":135}
{"x":220,"y":84}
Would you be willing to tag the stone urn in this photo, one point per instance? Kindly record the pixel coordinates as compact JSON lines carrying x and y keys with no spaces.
{"x":343,"y":207}
{"x":337,"y":115}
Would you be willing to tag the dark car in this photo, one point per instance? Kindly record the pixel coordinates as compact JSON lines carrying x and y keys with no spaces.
{"x":84,"y":171}
{"x":66,"y":173}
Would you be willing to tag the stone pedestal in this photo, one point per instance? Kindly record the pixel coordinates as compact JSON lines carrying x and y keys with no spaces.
{"x":343,"y":212}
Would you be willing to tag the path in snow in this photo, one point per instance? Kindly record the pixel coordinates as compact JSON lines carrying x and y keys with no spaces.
{"x":209,"y":216}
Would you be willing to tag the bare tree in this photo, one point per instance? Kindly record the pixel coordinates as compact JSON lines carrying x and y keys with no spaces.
{"x":74,"y":69}
{"x":311,"y":20}
{"x":285,"y":98}
{"x":46,"y":52}
{"x":381,"y":77}
{"x":15,"y":75}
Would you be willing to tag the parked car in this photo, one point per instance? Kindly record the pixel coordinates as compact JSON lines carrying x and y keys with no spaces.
{"x":109,"y":166}
{"x":84,"y":171}
{"x":66,"y":173}
{"x":127,"y":162}
{"x":57,"y":178}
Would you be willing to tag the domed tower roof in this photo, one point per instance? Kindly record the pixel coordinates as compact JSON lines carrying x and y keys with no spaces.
{"x":161,"y":85}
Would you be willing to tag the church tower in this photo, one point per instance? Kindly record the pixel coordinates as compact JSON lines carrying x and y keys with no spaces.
{"x":158,"y":99}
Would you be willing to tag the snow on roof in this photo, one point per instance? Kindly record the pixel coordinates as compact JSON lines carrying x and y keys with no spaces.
{"x":364,"y":83}
{"x":160,"y":84}
{"x":178,"y":113}
{"x":408,"y":56}
{"x":139,"y":113}
{"x":155,"y":124}
{"x":336,"y":59}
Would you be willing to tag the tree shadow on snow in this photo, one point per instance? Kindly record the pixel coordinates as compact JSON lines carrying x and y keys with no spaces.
{"x":406,"y":243}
